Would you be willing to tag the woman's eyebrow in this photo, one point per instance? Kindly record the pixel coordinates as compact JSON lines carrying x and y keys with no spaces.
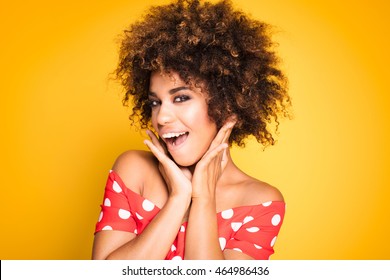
{"x":171,"y":91}
{"x":174,"y":90}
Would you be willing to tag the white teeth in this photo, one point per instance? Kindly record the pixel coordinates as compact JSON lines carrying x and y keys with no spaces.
{"x":172,"y":134}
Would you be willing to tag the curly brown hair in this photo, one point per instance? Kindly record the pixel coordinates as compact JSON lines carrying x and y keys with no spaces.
{"x":227,"y":53}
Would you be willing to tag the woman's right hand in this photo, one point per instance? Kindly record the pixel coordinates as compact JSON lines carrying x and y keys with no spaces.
{"x":178,"y":179}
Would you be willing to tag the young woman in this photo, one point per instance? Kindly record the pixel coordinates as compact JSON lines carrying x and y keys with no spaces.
{"x":202,"y":77}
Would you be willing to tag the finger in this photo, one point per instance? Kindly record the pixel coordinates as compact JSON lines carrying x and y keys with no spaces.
{"x":157,"y":152}
{"x":213,"y":154}
{"x":230,"y":126}
{"x":164,"y":160}
{"x":224,"y":159}
{"x":162,"y":172}
{"x":223,"y":134}
{"x":156,"y":141}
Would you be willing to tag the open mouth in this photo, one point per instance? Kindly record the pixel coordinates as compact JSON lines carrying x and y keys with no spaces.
{"x":175,"y":139}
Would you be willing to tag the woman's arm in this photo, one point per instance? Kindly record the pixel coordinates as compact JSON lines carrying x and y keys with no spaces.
{"x":202,"y":240}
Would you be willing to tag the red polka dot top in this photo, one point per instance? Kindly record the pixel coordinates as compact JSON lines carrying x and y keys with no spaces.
{"x":249,"y":229}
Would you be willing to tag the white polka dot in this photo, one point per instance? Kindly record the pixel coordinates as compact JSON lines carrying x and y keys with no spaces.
{"x":100,"y":216}
{"x":253,"y":229}
{"x":111,"y":171}
{"x":124,"y":214}
{"x":273,"y":242}
{"x":182,"y":229}
{"x":138,"y":216}
{"x":116,"y":187}
{"x":107,"y":228}
{"x":227,"y":214}
{"x":248,"y":219}
{"x":257,"y":246}
{"x":107,"y":202}
{"x":173,"y":248}
{"x":236,"y":226}
{"x":147,"y":205}
{"x":222,"y":242}
{"x":237,"y":249}
{"x":266,"y":204}
{"x":135,"y":231}
{"x":177,"y":258}
{"x":276,"y":219}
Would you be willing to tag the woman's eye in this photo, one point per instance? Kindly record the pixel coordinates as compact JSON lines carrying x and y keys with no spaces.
{"x":153,"y":103}
{"x":181,"y":98}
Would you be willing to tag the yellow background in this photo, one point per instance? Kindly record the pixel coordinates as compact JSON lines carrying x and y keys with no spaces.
{"x":63,"y":125}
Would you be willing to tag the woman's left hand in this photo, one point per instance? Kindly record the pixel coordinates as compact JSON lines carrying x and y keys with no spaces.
{"x":210,"y":167}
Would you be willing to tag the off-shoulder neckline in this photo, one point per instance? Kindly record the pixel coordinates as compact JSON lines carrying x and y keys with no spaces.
{"x":264,"y":204}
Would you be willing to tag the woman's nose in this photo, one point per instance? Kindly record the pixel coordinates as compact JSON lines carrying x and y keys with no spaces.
{"x":165,"y":114}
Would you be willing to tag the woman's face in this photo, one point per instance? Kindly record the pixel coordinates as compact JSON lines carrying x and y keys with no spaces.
{"x":179,"y":116}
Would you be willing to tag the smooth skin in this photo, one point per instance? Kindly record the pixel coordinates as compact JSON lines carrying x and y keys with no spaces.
{"x":190,"y":183}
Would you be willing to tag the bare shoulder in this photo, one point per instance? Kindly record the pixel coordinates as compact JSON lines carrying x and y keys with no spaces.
{"x":257,"y":192}
{"x":240,"y":189}
{"x":134,"y":167}
{"x":134,"y":157}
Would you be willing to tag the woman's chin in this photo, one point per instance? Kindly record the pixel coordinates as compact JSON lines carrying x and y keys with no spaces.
{"x":185,"y":162}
